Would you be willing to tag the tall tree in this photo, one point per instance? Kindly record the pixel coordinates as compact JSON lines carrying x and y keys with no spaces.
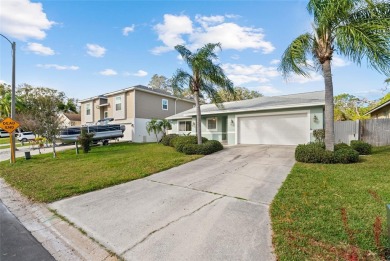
{"x":160,"y":82}
{"x":239,"y":94}
{"x":205,"y":75}
{"x":356,"y":29}
{"x":42,"y":112}
{"x":350,"y":107}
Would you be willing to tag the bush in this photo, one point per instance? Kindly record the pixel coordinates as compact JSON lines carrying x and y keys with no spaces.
{"x":319,"y":135}
{"x":362,"y":147}
{"x":341,"y":145}
{"x":206,"y":148}
{"x":315,"y":153}
{"x":346,"y":155}
{"x":312,"y":153}
{"x":166,"y":140}
{"x":85,"y":140}
{"x":180,"y":141}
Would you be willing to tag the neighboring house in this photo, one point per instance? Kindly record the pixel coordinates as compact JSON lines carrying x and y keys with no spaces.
{"x":70,"y":119}
{"x":284,"y":120}
{"x":133,"y":107}
{"x":380,"y":112}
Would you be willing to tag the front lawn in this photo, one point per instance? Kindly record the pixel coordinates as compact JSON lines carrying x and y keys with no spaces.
{"x":46,"y":179}
{"x":334,"y":212}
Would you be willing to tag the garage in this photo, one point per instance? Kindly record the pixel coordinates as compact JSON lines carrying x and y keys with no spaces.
{"x":275,"y":129}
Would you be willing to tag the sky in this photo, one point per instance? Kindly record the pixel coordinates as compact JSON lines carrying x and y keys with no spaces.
{"x":87,"y":48}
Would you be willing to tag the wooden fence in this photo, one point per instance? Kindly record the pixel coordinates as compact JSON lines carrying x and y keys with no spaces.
{"x":374,"y":131}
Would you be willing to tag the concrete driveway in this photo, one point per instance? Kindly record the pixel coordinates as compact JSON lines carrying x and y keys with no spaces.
{"x":214,"y":208}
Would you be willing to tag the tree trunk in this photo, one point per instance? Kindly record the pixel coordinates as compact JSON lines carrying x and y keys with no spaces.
{"x":198,"y":118}
{"x":54,"y":148}
{"x":329,"y":106}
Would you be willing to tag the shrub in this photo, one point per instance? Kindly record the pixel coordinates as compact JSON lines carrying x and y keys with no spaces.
{"x":319,"y":135}
{"x":362,"y":147}
{"x":166,"y":140}
{"x":315,"y":153}
{"x":180,"y":141}
{"x":346,"y":155}
{"x":206,"y":148}
{"x":341,"y":145}
{"x":310,"y":153}
{"x":85,"y":140}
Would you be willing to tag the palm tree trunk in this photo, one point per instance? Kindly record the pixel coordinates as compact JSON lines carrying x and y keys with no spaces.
{"x":329,"y":106}
{"x":198,"y":118}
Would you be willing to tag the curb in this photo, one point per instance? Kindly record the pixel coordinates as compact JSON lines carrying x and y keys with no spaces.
{"x":63,"y":241}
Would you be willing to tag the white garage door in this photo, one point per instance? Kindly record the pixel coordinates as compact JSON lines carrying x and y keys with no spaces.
{"x":286,"y":129}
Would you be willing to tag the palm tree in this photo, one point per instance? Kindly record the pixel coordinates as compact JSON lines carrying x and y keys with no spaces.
{"x":204,"y":76}
{"x":164,"y":126}
{"x":153,"y":126}
{"x":356,"y":29}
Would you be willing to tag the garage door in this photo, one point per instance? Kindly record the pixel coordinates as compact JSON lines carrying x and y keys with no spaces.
{"x":286,"y":129}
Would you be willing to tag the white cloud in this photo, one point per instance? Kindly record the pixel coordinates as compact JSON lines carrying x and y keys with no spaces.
{"x":337,"y":61}
{"x":210,"y":29}
{"x":108,"y":72}
{"x":235,"y":57}
{"x":313,"y":77}
{"x":170,"y":32}
{"x":140,"y":73}
{"x":128,"y":29}
{"x":275,"y":62}
{"x":95,"y":50}
{"x":266,"y":90}
{"x":39,"y":49}
{"x":58,"y":67}
{"x":242,"y":74}
{"x":22,"y":19}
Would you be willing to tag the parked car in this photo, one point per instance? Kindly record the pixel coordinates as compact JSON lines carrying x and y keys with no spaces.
{"x":3,"y":134}
{"x":25,"y":136}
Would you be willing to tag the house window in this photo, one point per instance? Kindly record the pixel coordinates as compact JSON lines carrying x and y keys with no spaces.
{"x":88,"y":109}
{"x":118,"y":103}
{"x":105,"y":114}
{"x":164,"y":104}
{"x":211,"y":123}
{"x":184,"y":125}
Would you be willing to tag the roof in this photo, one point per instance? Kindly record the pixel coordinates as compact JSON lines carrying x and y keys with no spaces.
{"x":143,"y":88}
{"x":258,"y":104}
{"x":378,"y":107}
{"x":73,"y":116}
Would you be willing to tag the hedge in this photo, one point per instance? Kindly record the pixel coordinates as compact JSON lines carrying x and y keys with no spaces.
{"x":315,"y":153}
{"x":206,"y":148}
{"x":362,"y":147}
{"x":180,"y":141}
{"x":167,"y":139}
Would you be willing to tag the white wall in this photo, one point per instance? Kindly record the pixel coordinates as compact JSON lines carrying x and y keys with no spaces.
{"x":140,"y":133}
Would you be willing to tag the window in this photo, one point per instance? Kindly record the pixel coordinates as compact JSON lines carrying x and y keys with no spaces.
{"x":118,"y":103}
{"x":212,"y":123}
{"x":164,"y":104}
{"x":105,"y":114}
{"x":184,"y":125}
{"x":88,"y":109}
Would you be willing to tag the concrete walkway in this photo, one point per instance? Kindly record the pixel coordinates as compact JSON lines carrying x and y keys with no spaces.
{"x":5,"y":154}
{"x":214,"y":208}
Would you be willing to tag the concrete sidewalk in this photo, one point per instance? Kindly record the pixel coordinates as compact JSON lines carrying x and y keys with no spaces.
{"x":5,"y":154}
{"x":214,"y":208}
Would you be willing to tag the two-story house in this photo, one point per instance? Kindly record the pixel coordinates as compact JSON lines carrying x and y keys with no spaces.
{"x":134,"y":107}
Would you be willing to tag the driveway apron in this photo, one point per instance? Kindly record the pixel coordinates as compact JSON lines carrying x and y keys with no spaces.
{"x":214,"y":208}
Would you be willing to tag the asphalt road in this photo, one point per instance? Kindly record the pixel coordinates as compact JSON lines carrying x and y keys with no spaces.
{"x":16,"y":242}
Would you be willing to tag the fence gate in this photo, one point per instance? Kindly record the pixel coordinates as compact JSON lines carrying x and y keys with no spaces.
{"x":345,"y":131}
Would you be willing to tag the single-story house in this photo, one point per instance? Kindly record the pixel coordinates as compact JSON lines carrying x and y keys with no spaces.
{"x":70,"y":119}
{"x":133,"y":107}
{"x":284,"y":120}
{"x":380,"y":112}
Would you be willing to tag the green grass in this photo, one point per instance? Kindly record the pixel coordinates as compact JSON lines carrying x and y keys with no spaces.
{"x":327,"y":212}
{"x":46,"y":179}
{"x":4,"y":140}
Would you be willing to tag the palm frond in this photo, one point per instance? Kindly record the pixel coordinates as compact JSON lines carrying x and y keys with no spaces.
{"x":185,"y":53}
{"x":295,"y":58}
{"x":180,"y":81}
